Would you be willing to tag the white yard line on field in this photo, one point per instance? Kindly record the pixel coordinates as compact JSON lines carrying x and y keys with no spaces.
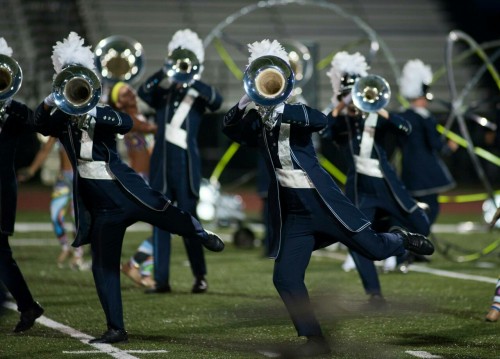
{"x":450,"y":274}
{"x":422,"y":354}
{"x":25,"y":227}
{"x":420,"y":268}
{"x":84,"y":338}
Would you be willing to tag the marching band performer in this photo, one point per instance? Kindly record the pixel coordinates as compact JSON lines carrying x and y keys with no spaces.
{"x":422,"y":170}
{"x":15,"y":118}
{"x":307,"y":210}
{"x":372,"y":183}
{"x":108,"y":195}
{"x":175,"y":161}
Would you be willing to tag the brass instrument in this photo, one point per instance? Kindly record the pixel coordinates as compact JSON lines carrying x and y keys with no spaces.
{"x":119,"y":58}
{"x":370,"y":93}
{"x":182,"y":66}
{"x":76,"y":90}
{"x":268,"y":81}
{"x":11,"y":78}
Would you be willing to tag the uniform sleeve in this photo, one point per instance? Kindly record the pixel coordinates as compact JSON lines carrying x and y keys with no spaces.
{"x":431,"y":134}
{"x":118,"y":122}
{"x":48,"y":123}
{"x":336,"y":129}
{"x":208,"y":93}
{"x":397,"y":121}
{"x":150,"y":91}
{"x":242,"y":127}
{"x":19,"y":117}
{"x":304,"y":116}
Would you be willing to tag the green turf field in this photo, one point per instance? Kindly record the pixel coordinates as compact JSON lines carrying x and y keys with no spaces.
{"x":241,"y":316}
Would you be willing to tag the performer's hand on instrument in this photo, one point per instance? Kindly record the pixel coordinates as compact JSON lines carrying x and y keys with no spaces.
{"x":383,"y":112}
{"x":279,"y":109}
{"x":244,"y":102}
{"x":347,"y":99}
{"x":49,"y":100}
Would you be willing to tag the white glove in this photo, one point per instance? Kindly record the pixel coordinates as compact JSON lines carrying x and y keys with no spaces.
{"x":279,"y":109}
{"x":347,"y":99}
{"x":244,"y":101}
{"x":49,"y":100}
{"x":93,"y":112}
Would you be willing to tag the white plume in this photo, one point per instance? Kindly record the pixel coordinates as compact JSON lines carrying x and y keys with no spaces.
{"x":72,"y":51}
{"x":345,"y":63}
{"x":414,"y":74}
{"x":189,"y":40}
{"x":265,"y":48}
{"x":4,"y":48}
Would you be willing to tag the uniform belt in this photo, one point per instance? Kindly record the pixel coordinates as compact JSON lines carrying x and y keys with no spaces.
{"x":177,"y":136}
{"x":368,"y":166}
{"x":94,"y":170}
{"x":293,"y":178}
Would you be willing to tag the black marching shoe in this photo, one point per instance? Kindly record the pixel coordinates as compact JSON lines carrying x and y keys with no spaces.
{"x":159,"y":290}
{"x":315,"y":346}
{"x":200,"y":285}
{"x":28,"y":318}
{"x":212,"y":242}
{"x":377,"y":301}
{"x":111,"y":336}
{"x":414,"y":242}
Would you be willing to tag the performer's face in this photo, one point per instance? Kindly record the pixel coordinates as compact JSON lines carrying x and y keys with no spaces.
{"x":126,"y":97}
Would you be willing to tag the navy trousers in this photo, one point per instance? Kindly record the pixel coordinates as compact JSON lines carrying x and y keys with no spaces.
{"x":12,"y":278}
{"x":300,"y":232}
{"x":179,"y":192}
{"x":377,"y":202}
{"x":112,"y":211}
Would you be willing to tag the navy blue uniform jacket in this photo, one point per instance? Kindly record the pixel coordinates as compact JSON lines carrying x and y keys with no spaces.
{"x":423,"y":171}
{"x":164,"y":102}
{"x":333,"y":207}
{"x":107,"y":124}
{"x":348,"y":131}
{"x":18,"y":119}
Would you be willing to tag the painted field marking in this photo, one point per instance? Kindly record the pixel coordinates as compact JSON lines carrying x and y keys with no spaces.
{"x":422,"y":354}
{"x":420,"y":268}
{"x":82,"y":337}
{"x":450,"y":274}
{"x":126,"y":351}
{"x":25,"y":227}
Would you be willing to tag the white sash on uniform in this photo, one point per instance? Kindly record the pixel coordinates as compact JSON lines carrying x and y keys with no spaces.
{"x":288,"y":176}
{"x":364,"y":163}
{"x":174,"y":133}
{"x":87,"y":168}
